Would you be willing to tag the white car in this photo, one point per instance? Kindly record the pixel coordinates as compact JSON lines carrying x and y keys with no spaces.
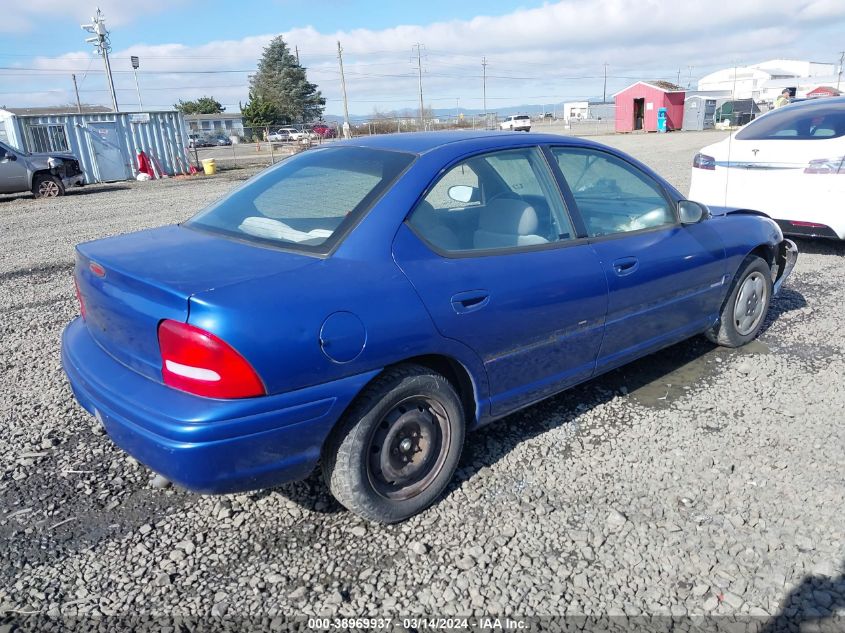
{"x":788,"y":163}
{"x":286,"y":134}
{"x":517,"y":123}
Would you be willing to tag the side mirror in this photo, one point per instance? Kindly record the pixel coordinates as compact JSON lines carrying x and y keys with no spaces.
{"x":692,"y":212}
{"x":462,"y":193}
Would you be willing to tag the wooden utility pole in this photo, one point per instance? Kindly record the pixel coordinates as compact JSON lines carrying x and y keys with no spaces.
{"x":484,"y":84}
{"x":419,"y":71}
{"x":76,"y":91}
{"x":604,"y":90}
{"x":343,"y":88}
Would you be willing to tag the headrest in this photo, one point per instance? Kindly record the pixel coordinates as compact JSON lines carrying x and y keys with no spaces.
{"x":505,"y":215}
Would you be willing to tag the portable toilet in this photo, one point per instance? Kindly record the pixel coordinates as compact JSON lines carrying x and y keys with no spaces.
{"x":661,"y":119}
{"x":698,"y":112}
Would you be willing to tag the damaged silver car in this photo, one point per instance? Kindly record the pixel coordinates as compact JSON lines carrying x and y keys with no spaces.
{"x":46,"y":175}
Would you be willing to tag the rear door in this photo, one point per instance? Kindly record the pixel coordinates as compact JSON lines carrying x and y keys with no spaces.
{"x":493,"y":255}
{"x":664,"y":279}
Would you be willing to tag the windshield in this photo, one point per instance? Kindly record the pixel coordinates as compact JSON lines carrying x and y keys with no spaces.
{"x":309,"y":201}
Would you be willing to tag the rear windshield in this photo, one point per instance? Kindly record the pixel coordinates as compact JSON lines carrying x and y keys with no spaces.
{"x":521,"y":117}
{"x":817,"y":121}
{"x":307,"y":202}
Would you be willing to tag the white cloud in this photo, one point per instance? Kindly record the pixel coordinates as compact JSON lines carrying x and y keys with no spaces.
{"x":538,"y":55}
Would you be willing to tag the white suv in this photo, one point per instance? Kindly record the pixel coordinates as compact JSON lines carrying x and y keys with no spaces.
{"x":517,"y":123}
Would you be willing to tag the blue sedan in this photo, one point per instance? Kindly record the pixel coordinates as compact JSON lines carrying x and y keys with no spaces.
{"x":363,"y":305}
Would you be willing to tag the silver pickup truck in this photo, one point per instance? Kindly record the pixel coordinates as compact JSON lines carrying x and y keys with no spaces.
{"x":46,"y":175}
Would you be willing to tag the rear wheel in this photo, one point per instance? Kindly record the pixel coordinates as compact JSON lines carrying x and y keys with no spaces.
{"x":47,"y":186}
{"x":744,"y":311}
{"x":398,"y":446}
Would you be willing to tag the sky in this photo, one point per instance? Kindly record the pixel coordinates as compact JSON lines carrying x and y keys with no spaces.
{"x":539,"y":53}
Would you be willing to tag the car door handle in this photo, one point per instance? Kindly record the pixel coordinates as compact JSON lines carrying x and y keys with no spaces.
{"x":625,"y":266}
{"x":470,"y":301}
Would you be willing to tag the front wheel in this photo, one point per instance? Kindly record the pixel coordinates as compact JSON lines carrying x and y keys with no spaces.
{"x":47,"y":186}
{"x":398,"y":445}
{"x":744,"y":311}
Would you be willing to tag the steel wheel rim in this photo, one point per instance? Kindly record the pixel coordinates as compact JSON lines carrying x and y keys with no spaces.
{"x":750,"y":303}
{"x":48,"y":189}
{"x":408,"y":448}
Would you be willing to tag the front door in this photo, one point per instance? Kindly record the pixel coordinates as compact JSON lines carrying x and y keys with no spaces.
{"x":664,"y":279}
{"x":111,"y":163}
{"x":639,"y":113}
{"x":493,"y":255}
{"x":13,"y":174}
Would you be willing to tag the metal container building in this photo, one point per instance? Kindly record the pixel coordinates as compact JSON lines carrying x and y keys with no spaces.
{"x":106,"y":143}
{"x":637,"y":106}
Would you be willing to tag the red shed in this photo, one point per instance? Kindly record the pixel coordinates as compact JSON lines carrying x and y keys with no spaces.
{"x":636,"y":106}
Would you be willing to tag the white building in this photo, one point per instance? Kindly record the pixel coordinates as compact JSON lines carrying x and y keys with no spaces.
{"x":766,"y":80}
{"x":575,"y":110}
{"x":226,"y":124}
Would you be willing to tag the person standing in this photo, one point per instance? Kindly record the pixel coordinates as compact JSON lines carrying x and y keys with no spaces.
{"x":783,"y":99}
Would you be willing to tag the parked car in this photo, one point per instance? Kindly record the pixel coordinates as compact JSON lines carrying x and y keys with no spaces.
{"x":286,"y":134}
{"x":221,"y":141}
{"x":789,"y":163}
{"x":324,"y":131}
{"x":45,"y":174}
{"x":194,"y":140}
{"x":517,"y":123}
{"x":279,"y":136}
{"x":365,"y":304}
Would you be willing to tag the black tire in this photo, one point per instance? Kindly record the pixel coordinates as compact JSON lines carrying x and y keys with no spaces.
{"x":736,"y":328}
{"x":376,"y":443}
{"x":47,"y":186}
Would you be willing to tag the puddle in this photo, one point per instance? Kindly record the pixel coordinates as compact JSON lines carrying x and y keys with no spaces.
{"x":660,"y":379}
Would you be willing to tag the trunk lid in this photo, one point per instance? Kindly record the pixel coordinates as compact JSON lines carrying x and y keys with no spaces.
{"x":768,"y":175}
{"x":131,"y":282}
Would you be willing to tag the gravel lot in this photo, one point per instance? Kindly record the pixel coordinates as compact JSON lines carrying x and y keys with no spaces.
{"x":697,"y":481}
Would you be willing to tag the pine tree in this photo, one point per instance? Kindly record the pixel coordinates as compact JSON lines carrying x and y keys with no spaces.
{"x":282,"y":82}
{"x":259,"y":114}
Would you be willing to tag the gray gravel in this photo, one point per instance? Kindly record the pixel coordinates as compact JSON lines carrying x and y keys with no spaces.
{"x":696,"y":481}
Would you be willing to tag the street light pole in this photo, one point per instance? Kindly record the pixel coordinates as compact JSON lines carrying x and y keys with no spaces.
{"x":102,"y":46}
{"x":135,"y":64}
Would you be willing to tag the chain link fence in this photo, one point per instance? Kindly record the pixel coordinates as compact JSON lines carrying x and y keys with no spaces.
{"x":241,"y":146}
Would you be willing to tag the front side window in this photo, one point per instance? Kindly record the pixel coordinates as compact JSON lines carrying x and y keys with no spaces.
{"x":802,"y":123}
{"x":307,"y":201}
{"x":612,"y":195}
{"x":504,"y":199}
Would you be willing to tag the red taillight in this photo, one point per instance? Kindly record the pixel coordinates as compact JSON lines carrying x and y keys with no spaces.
{"x":703,"y":161}
{"x":198,"y":362}
{"x":79,"y":298}
{"x":812,"y":225}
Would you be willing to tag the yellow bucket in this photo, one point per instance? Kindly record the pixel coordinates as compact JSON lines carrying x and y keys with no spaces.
{"x":209,"y":166}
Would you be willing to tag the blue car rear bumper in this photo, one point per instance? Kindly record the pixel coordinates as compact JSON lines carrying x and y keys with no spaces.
{"x":203,"y":444}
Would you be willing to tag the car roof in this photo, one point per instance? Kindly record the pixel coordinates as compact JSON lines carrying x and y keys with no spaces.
{"x":423,"y":142}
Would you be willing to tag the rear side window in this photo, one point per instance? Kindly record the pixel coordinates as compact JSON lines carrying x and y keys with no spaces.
{"x":308,"y":201}
{"x":815,"y":122}
{"x":501,"y":200}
